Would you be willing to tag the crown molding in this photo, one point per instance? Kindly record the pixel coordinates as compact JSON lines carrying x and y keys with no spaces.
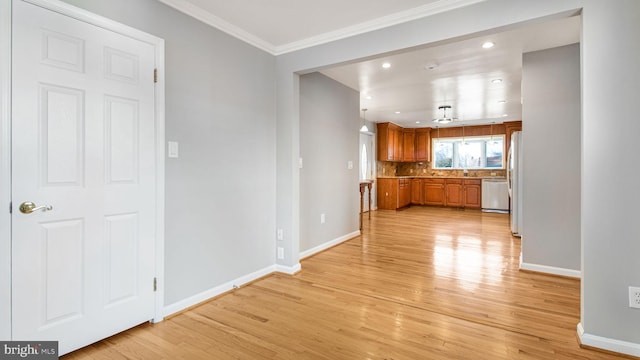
{"x":376,"y":24}
{"x":210,"y":19}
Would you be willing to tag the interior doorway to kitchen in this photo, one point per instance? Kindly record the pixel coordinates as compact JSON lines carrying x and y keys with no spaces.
{"x":367,"y":164}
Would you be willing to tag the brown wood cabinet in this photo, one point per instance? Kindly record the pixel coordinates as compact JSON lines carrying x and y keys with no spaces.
{"x":453,"y":192}
{"x":409,"y":145}
{"x":472,"y":193}
{"x":416,"y":192}
{"x":387,"y":193}
{"x":423,"y":144}
{"x":404,"y":193}
{"x":393,"y":193}
{"x":433,"y":191}
{"x":389,"y":142}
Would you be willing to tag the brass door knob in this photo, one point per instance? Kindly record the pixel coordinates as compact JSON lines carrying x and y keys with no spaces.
{"x":28,"y":207}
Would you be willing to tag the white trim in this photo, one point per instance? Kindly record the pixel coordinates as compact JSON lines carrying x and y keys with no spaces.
{"x":210,"y":19}
{"x":622,"y":347}
{"x":160,"y":178}
{"x":290,"y":270}
{"x":5,"y":169}
{"x":218,"y":290}
{"x":158,"y":44}
{"x":97,"y":20}
{"x":376,"y":24}
{"x":334,"y":242}
{"x":551,"y":270}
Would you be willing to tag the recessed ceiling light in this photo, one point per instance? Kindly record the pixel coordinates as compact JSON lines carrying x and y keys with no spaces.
{"x":496,"y":81}
{"x":397,"y":112}
{"x":417,"y":122}
{"x":488,"y":45}
{"x":386,"y":65}
{"x":505,"y":115}
{"x":368,"y":97}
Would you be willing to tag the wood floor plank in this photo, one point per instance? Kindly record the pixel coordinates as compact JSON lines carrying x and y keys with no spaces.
{"x":421,"y":283}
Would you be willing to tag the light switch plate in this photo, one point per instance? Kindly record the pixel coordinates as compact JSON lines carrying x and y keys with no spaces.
{"x":173,"y":149}
{"x":349,"y":164}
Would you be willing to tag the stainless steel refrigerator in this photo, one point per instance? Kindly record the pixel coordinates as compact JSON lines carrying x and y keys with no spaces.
{"x":515,"y":181}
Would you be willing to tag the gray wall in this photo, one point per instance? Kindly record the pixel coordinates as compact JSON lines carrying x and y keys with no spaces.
{"x":609,"y":234}
{"x":610,"y":171}
{"x":329,"y":137}
{"x":551,"y":139}
{"x":220,"y":107}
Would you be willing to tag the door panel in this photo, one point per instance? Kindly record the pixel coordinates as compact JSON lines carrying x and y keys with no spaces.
{"x":83,"y":141}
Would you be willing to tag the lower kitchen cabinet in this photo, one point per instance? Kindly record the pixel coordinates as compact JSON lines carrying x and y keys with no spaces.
{"x":472,"y":196}
{"x":433,"y":191}
{"x":416,"y":192}
{"x":453,"y":192}
{"x":393,"y":193}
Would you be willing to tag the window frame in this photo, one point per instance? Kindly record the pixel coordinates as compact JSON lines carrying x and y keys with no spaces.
{"x":456,"y":143}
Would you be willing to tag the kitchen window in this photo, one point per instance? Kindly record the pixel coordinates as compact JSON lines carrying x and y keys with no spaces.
{"x":478,"y":152}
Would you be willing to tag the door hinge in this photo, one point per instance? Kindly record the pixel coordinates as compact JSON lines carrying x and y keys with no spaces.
{"x":155,"y":75}
{"x":155,"y":284}
{"x":10,"y":207}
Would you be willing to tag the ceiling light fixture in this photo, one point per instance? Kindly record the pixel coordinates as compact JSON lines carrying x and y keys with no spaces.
{"x":446,"y":115}
{"x":368,"y":97}
{"x":397,"y":112}
{"x":496,"y":81}
{"x":386,"y":65}
{"x":487,"y":45}
{"x":364,"y":127}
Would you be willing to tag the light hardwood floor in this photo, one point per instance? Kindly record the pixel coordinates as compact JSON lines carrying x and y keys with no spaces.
{"x":422,"y":283}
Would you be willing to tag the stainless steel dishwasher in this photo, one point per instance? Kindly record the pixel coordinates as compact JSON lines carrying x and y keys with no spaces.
{"x":495,"y":195}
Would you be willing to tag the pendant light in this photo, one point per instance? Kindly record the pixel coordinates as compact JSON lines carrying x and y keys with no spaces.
{"x":364,"y":127}
{"x":446,"y":117}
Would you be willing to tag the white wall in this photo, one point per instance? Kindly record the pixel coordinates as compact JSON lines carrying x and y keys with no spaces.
{"x":220,"y":108}
{"x":610,"y":54}
{"x":329,"y":138}
{"x":551,"y":150}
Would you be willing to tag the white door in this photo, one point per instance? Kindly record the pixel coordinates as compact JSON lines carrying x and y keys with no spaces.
{"x":83,"y":143}
{"x":367,"y":153}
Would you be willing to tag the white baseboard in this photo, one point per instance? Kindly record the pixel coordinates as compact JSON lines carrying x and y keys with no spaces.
{"x":622,"y":347}
{"x":287,"y":269}
{"x":551,"y":270}
{"x":220,"y":289}
{"x":328,"y":244}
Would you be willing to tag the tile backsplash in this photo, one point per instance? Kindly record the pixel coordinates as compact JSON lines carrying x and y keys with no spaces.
{"x":385,"y":168}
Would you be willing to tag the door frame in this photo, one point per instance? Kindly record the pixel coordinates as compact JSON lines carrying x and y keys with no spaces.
{"x":5,"y":145}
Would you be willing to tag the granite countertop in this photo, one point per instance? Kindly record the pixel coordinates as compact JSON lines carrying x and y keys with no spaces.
{"x":440,"y":177}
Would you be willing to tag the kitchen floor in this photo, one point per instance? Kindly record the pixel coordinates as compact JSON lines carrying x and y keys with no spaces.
{"x":420,"y":283}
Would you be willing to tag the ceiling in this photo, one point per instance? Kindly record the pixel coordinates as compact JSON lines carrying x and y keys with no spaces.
{"x":458,"y":74}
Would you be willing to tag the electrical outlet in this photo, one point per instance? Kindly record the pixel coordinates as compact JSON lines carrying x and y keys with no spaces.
{"x":634,"y":297}
{"x":322,"y":218}
{"x":280,"y":253}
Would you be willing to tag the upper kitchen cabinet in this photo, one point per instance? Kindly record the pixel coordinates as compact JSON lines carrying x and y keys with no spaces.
{"x":408,"y":145}
{"x":423,"y":144}
{"x":390,"y":139}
